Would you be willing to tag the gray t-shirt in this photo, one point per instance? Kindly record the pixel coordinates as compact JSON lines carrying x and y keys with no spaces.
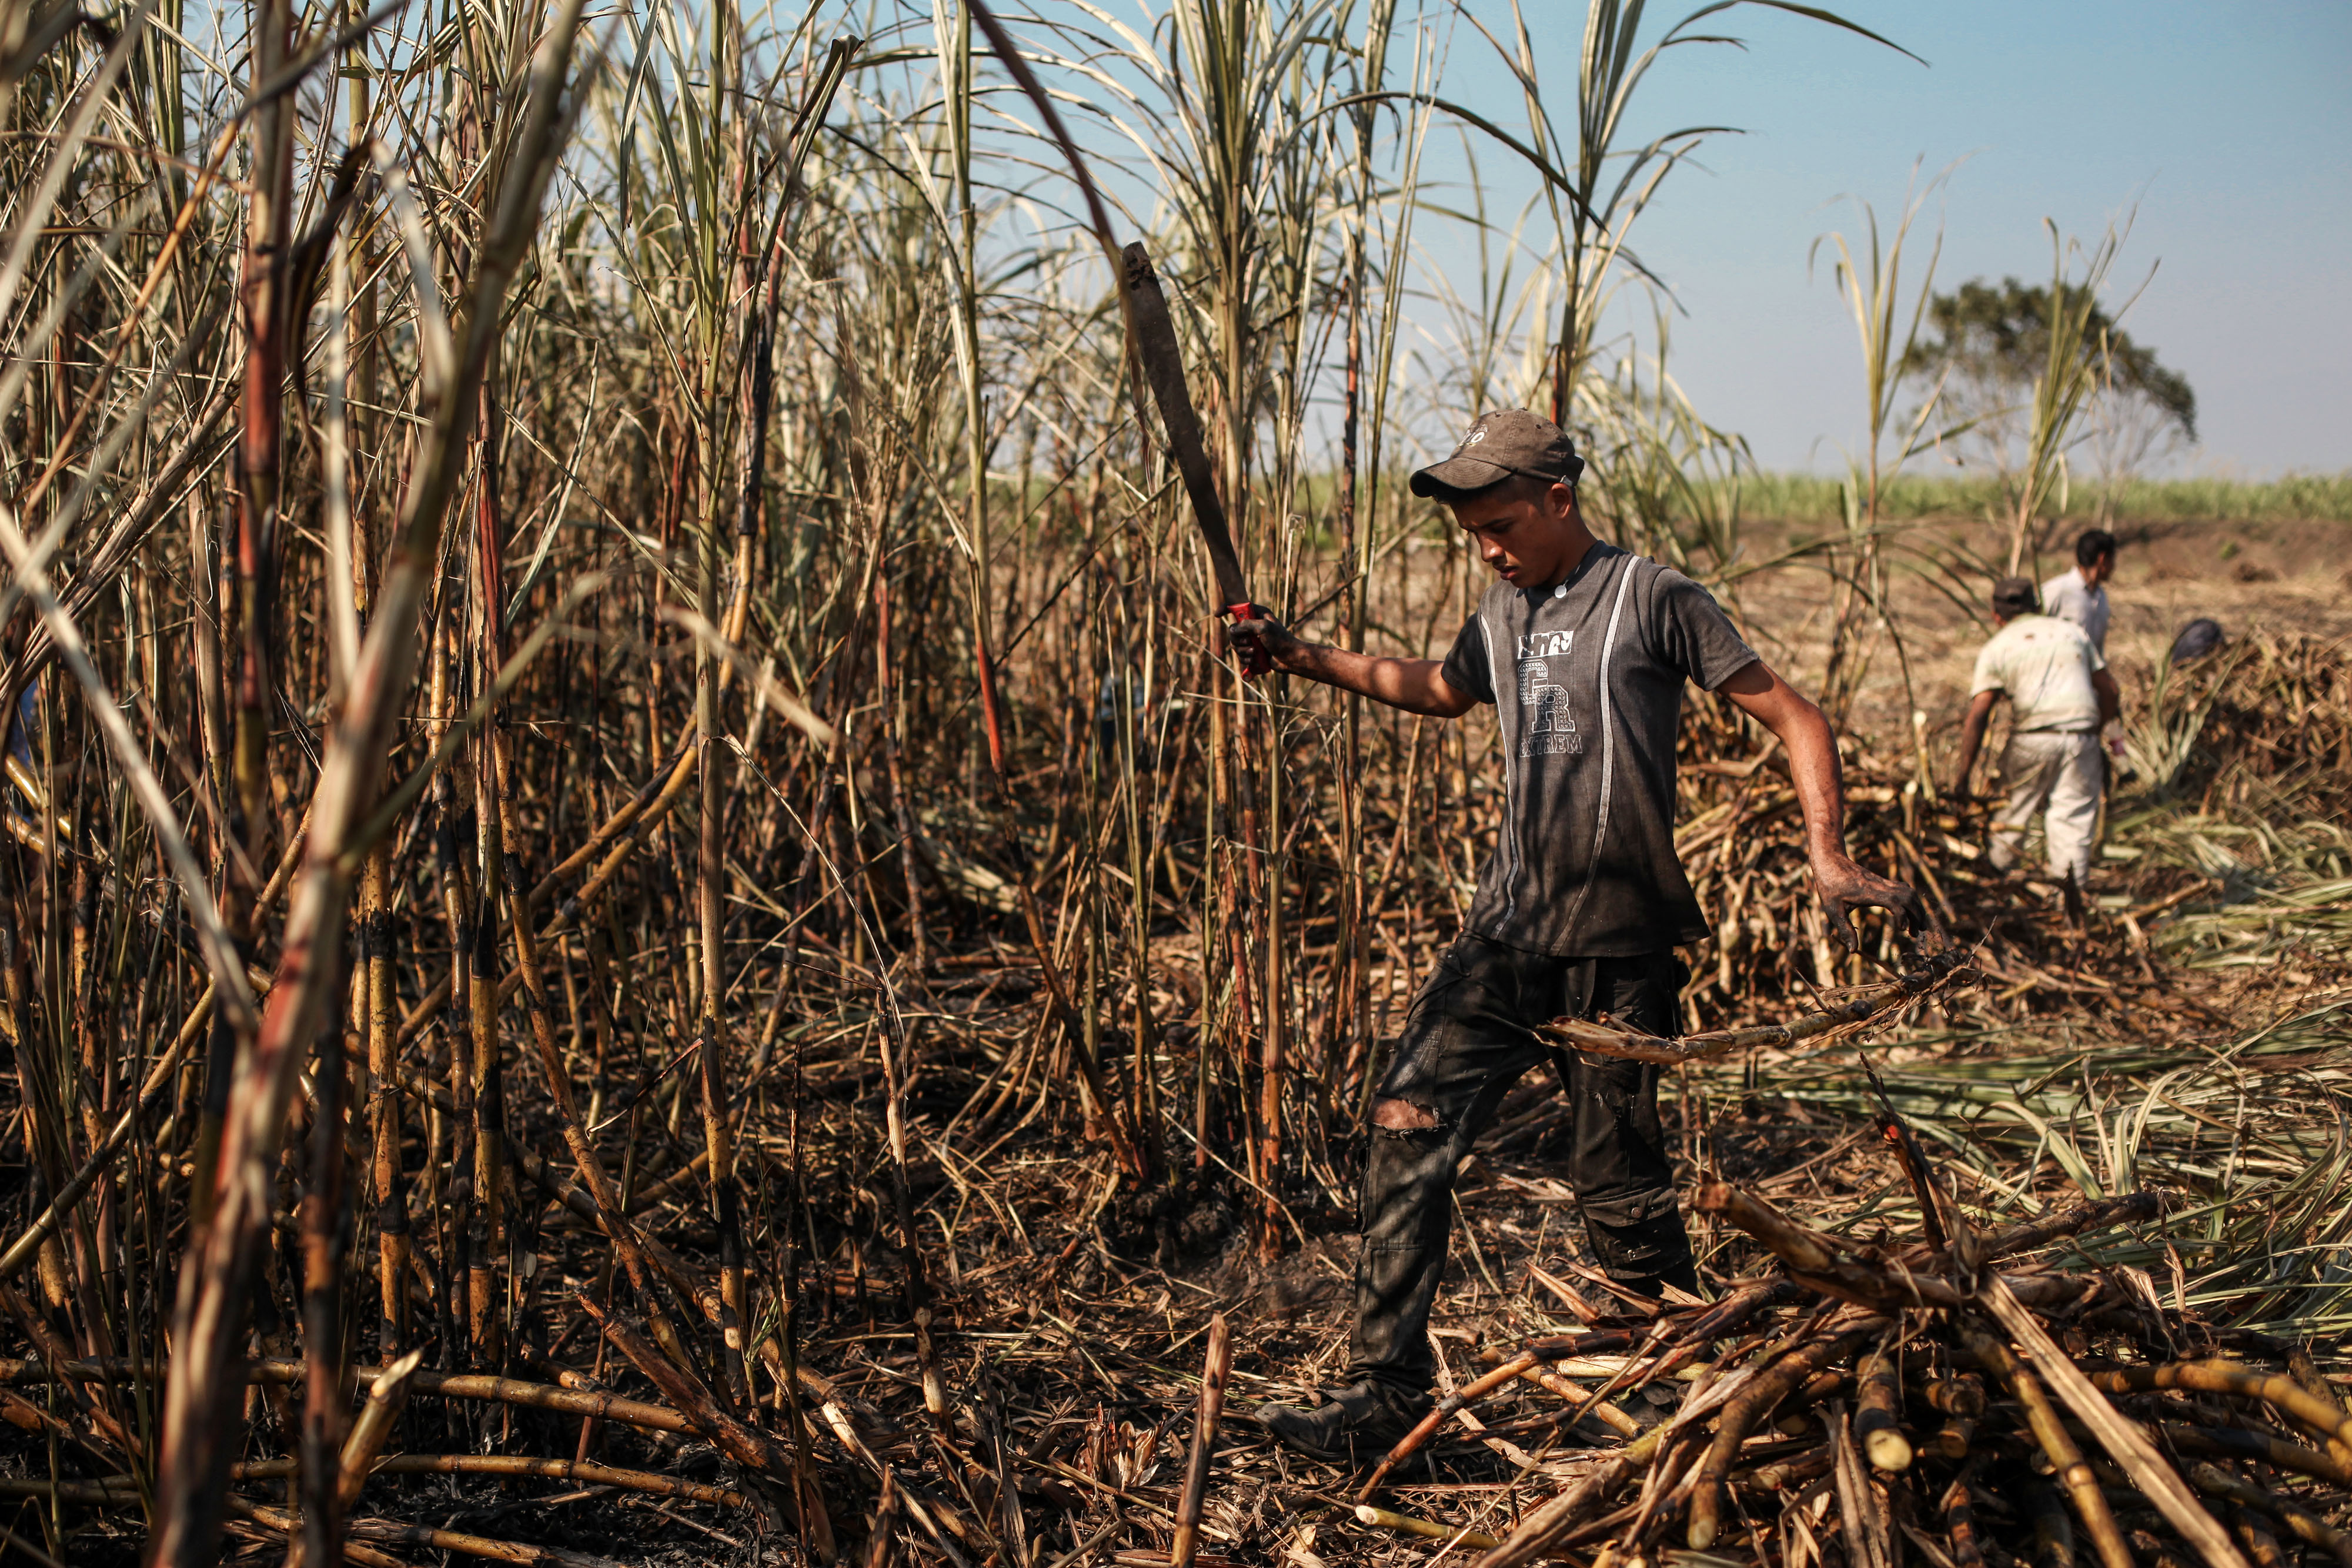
{"x":1587,"y":682}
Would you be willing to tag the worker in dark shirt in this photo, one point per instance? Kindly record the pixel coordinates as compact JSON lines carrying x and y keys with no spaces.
{"x":1582,"y":649}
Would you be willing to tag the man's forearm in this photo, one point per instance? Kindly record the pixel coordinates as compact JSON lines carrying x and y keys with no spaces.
{"x":1811,"y":747}
{"x":1805,"y":734}
{"x":1971,"y":738}
{"x":1412,"y":685}
{"x":1813,"y":768}
{"x":1972,"y":734}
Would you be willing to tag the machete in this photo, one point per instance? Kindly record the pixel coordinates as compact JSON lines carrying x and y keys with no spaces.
{"x":1163,"y":367}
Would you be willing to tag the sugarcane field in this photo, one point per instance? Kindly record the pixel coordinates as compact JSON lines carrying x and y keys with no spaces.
{"x":1181,"y":784}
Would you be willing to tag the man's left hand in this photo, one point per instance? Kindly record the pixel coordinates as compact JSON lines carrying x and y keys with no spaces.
{"x":1844,"y":886}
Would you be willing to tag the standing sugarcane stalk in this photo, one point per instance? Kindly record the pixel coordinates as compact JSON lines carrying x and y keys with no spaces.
{"x":456,"y":791}
{"x":215,"y":1279}
{"x":323,"y":1292}
{"x":325,"y":1232}
{"x":709,"y":866}
{"x":707,"y":987}
{"x":1274,"y":1045}
{"x":208,"y":627}
{"x":266,"y":320}
{"x":480,"y":926}
{"x":376,"y":986}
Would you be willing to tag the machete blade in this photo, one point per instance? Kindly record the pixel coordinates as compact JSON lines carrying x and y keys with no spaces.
{"x":1163,"y":367}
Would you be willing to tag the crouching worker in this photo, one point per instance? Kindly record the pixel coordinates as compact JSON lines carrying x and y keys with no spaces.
{"x":1582,"y":650}
{"x":2060,"y":695}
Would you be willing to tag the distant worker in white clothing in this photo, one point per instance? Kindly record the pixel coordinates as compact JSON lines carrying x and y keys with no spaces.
{"x":2080,"y":595}
{"x":2060,"y":695}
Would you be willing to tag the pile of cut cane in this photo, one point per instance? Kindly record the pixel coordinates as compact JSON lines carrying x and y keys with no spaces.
{"x":1948,"y":1401}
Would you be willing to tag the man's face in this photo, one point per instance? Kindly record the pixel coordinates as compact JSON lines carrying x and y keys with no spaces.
{"x":1531,"y":537}
{"x":2099,"y":570}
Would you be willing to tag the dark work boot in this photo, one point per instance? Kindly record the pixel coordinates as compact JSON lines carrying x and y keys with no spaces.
{"x":1643,"y":1253}
{"x":1363,"y":1422}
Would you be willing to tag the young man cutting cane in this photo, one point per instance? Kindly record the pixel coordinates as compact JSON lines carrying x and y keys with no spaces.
{"x":1582,"y":649}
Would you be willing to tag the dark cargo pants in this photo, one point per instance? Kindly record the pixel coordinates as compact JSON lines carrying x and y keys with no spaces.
{"x":1467,"y":1038}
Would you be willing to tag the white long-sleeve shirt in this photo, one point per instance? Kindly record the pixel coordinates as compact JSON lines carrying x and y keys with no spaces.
{"x":2069,"y":598}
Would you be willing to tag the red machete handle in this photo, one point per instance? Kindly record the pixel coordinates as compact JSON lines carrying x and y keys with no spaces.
{"x":1256,"y":660}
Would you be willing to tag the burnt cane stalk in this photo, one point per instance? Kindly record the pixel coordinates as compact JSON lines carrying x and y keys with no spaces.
{"x":753,"y":396}
{"x":322,"y":1294}
{"x":1217,"y":1363}
{"x":263,"y":290}
{"x":1750,"y":1405}
{"x":2064,"y":1455}
{"x":1959,"y":1508}
{"x":758,"y":402}
{"x":217,"y":1275}
{"x":378,"y":997}
{"x":1878,"y":1413}
{"x":482,"y":1002}
{"x":1470,"y":1394}
{"x":711,"y":870}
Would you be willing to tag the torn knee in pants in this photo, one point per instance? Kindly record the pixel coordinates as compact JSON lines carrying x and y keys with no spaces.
{"x":1402,"y":1116}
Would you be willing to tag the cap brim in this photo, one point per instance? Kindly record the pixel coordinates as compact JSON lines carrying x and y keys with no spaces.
{"x":1457,"y":474}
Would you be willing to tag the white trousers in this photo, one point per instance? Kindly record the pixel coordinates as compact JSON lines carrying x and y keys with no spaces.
{"x":2061,"y":773}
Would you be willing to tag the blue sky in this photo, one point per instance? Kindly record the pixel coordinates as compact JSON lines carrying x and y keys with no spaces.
{"x":2229,"y":122}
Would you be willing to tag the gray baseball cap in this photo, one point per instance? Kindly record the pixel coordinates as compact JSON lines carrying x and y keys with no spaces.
{"x":2016,"y":596}
{"x":1498,"y":444}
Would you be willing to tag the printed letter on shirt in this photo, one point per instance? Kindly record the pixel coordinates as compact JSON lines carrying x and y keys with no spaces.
{"x":1545,"y":725}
